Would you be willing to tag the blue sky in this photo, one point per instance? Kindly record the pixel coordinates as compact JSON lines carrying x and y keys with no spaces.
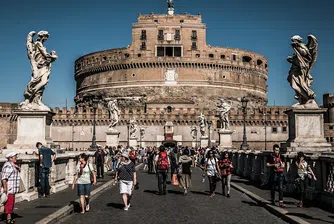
{"x":78,"y":27}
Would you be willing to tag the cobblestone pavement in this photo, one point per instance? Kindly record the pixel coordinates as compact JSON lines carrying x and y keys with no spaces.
{"x":196,"y":207}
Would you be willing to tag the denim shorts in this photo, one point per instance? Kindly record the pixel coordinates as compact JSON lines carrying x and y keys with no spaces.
{"x":84,"y":189}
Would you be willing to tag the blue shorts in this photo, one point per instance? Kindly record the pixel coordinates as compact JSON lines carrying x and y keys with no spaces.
{"x":84,"y":189}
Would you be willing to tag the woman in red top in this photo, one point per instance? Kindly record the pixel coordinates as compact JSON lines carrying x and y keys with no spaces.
{"x":226,"y":165}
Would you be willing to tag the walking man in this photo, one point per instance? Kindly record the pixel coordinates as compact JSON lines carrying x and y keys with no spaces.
{"x":100,"y":158}
{"x":46,"y":158}
{"x":277,"y":178}
{"x":163,"y":164}
{"x":11,"y":183}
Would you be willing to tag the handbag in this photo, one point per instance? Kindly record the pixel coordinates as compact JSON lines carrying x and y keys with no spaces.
{"x":21,"y":187}
{"x":174,"y":180}
{"x":91,"y":177}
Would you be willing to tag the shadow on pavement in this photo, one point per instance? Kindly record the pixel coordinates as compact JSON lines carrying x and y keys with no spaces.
{"x":116,"y":205}
{"x":200,"y":192}
{"x":3,"y":216}
{"x":251,"y":203}
{"x":175,"y":192}
{"x":151,"y":192}
{"x":307,"y":217}
{"x":76,"y":206}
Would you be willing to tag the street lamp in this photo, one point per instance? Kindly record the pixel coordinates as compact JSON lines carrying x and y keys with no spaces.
{"x":244,"y":101}
{"x":209,"y":127}
{"x":73,"y":124}
{"x":128,"y":124}
{"x":95,"y":104}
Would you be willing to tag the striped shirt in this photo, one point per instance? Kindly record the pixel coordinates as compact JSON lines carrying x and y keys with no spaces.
{"x":11,"y":173}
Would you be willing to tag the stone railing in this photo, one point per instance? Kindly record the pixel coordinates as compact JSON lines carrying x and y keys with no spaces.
{"x":252,"y":166}
{"x":61,"y":174}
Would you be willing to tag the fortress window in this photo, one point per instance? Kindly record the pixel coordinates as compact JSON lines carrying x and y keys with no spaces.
{"x":274,"y":130}
{"x":211,"y":56}
{"x":133,"y":75}
{"x":160,"y":35}
{"x":194,"y":35}
{"x":222,"y":57}
{"x":330,"y":127}
{"x":177,"y":35}
{"x":143,"y":35}
{"x":169,"y":109}
{"x":259,"y":62}
{"x":126,"y":55}
{"x":143,"y":46}
{"x":177,"y":52}
{"x":246,"y":59}
{"x":234,"y":57}
{"x":160,"y":52}
{"x":284,"y":129}
{"x":193,"y":46}
{"x":181,"y":21}
{"x":266,"y":65}
{"x":156,"y":21}
{"x":138,"y":55}
{"x":198,"y":55}
{"x":169,"y":51}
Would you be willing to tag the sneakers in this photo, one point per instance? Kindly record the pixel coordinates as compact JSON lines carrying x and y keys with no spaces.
{"x":128,"y":205}
{"x":281,"y":204}
{"x":300,"y":204}
{"x":126,"y":208}
{"x":212,"y":195}
{"x":87,"y":208}
{"x":185,"y":192}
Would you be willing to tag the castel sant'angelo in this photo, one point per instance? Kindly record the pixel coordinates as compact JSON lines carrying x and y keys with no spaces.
{"x":169,"y":73}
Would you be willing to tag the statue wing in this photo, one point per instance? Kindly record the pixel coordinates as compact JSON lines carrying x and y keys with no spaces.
{"x":312,"y":45}
{"x":30,"y":44}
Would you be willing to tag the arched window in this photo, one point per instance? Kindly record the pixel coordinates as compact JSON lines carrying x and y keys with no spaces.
{"x":246,"y":59}
{"x":169,"y":109}
{"x":259,"y":62}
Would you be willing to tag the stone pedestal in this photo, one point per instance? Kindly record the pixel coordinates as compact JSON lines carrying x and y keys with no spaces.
{"x":112,"y":138}
{"x":225,"y":137}
{"x":32,"y":127}
{"x":133,"y":142}
{"x":204,"y":141}
{"x":306,"y":130}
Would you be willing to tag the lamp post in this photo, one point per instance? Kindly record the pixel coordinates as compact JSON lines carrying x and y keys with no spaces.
{"x":244,"y":101}
{"x":95,"y":104}
{"x":128,"y":124}
{"x":73,"y":124}
{"x":209,"y":135}
{"x":265,"y":129}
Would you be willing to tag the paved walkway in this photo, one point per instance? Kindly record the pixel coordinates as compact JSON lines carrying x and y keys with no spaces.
{"x":196,"y":207}
{"x":311,"y":212}
{"x":33,"y":211}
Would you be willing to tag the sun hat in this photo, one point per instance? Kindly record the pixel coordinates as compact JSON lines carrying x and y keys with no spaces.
{"x":11,"y":154}
{"x":125,"y":154}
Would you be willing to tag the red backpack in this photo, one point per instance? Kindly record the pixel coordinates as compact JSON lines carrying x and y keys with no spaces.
{"x":163,"y":162}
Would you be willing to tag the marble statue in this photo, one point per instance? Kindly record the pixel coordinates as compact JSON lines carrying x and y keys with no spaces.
{"x":202,"y":124}
{"x":142,"y":132}
{"x":133,"y":127}
{"x":114,"y":113}
{"x":302,"y":62}
{"x":224,"y":111}
{"x":40,"y":61}
{"x":193,"y":132}
{"x":170,"y":3}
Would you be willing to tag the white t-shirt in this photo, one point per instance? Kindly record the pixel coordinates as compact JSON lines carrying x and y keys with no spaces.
{"x":84,"y":178}
{"x":211,"y":169}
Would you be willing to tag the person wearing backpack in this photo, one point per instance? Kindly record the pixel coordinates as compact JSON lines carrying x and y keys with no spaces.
{"x":162,"y":166}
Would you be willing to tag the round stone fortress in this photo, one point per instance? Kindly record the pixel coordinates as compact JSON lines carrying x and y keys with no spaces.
{"x":169,"y":60}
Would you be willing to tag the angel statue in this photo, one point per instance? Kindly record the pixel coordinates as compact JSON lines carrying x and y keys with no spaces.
{"x":113,"y":113}
{"x":202,"y":124}
{"x":193,"y":132}
{"x":142,"y":132}
{"x":224,"y":110}
{"x":302,"y":62}
{"x":133,"y":127}
{"x":170,"y":4}
{"x":40,"y":61}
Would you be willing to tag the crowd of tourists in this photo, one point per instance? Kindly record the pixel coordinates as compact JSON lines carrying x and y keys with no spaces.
{"x":174,"y":163}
